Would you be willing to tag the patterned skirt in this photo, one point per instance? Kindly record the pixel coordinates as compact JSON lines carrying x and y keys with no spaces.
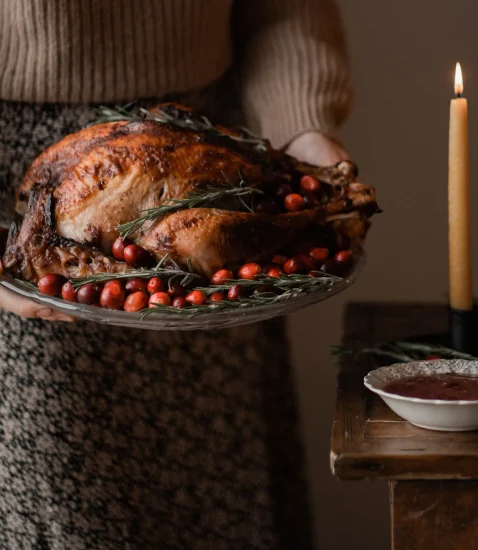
{"x":115,"y":439}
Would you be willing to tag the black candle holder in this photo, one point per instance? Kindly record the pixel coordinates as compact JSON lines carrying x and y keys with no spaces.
{"x":462,"y":330}
{"x":462,"y":334}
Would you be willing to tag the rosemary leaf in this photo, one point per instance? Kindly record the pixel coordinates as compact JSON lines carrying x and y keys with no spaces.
{"x":132,"y":114}
{"x":200,"y":198}
{"x":290,"y":285}
{"x":174,"y":273}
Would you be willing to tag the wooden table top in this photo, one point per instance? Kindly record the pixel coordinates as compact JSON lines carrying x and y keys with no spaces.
{"x":369,"y":441}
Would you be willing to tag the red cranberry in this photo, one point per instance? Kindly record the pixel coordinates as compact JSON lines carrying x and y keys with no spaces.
{"x":307,"y":261}
{"x":156,"y":285}
{"x":236,"y":292}
{"x":118,"y":247}
{"x":176,"y":290}
{"x":294,"y":265}
{"x":309,"y":184}
{"x":133,"y":285}
{"x":216,"y":297}
{"x":275,"y":272}
{"x":180,"y":302}
{"x":196,"y":298}
{"x":294,"y":202}
{"x":159,"y":298}
{"x":221,"y":276}
{"x":51,"y":284}
{"x":136,"y":255}
{"x":112,"y":282}
{"x":250,"y":271}
{"x":112,"y":296}
{"x":68,"y":292}
{"x":136,"y":302}
{"x":344,"y":257}
{"x":319,"y":254}
{"x":89,"y":294}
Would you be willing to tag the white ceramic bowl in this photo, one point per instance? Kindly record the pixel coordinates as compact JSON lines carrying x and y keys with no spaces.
{"x":433,"y":414}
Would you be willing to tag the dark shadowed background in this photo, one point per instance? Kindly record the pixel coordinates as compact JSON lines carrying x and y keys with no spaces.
{"x":403,"y":58}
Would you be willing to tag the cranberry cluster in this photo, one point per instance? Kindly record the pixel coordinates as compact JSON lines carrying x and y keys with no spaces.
{"x":137,"y":294}
{"x":286,"y":199}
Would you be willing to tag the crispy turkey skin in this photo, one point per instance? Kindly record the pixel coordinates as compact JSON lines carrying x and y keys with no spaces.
{"x":78,"y":191}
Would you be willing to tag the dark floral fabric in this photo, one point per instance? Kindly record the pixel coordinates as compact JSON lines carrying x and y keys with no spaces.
{"x":114,"y":439}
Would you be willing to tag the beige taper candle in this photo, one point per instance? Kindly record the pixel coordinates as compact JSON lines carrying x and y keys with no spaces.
{"x":459,"y":230}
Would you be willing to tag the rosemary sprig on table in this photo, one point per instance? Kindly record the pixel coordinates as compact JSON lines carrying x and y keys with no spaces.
{"x":172,"y":270}
{"x":179,"y":119}
{"x":402,"y":352}
{"x":199,"y":198}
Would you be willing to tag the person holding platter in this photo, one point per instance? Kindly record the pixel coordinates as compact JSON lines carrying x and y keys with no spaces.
{"x":115,"y":438}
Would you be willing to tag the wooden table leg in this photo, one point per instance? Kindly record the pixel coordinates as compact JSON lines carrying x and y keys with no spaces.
{"x":434,"y":515}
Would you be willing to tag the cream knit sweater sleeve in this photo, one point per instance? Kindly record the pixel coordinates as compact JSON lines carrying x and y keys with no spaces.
{"x":294,"y":66}
{"x":291,"y":54}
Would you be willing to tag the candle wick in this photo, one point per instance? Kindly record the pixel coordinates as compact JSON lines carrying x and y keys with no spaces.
{"x":458,"y":95}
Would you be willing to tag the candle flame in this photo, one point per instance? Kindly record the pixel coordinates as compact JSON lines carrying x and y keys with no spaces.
{"x":458,"y":80}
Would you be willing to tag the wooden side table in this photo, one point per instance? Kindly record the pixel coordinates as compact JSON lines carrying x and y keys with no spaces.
{"x":432,"y":476}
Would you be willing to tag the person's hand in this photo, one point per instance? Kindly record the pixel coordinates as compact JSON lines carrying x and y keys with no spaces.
{"x":26,"y":308}
{"x":317,"y":149}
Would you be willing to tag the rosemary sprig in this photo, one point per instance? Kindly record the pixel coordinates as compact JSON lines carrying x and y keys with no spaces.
{"x":402,"y":352}
{"x":290,"y":285}
{"x":259,"y":299}
{"x":255,"y":300}
{"x":174,"y":272}
{"x":296,"y":284}
{"x":116,"y":114}
{"x":199,"y":198}
{"x":109,"y":114}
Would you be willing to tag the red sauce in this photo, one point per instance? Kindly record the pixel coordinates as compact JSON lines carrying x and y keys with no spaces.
{"x":449,"y":387}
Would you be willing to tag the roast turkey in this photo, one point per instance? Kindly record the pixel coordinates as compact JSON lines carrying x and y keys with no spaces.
{"x":79,"y":191}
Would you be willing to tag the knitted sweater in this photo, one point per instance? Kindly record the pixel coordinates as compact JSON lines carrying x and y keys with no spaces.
{"x":290,"y":54}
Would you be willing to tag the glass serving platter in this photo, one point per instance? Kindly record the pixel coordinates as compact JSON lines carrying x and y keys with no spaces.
{"x":180,"y":319}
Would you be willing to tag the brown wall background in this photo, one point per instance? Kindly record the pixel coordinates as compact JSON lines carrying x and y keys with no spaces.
{"x":403,"y":56}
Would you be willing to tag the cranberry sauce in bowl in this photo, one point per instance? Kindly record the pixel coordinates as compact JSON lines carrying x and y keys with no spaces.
{"x":447,"y":387}
{"x":437,"y":395}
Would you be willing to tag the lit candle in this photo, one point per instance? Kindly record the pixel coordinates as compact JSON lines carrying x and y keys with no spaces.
{"x":459,"y":231}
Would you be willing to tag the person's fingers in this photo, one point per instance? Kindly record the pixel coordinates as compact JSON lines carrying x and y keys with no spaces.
{"x":328,"y":155}
{"x":26,"y":308}
{"x":315,"y":148}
